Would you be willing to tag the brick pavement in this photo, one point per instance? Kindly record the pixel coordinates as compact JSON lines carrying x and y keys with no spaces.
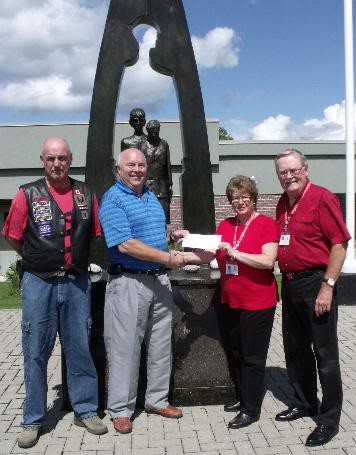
{"x":202,"y":430}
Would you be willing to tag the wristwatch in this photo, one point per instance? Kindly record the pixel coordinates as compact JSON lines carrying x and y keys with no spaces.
{"x":329,"y":281}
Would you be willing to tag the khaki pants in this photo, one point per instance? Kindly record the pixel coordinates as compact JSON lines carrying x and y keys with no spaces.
{"x":137,"y":308}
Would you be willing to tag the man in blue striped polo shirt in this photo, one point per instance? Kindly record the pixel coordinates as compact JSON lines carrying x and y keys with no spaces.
{"x":138,"y":302}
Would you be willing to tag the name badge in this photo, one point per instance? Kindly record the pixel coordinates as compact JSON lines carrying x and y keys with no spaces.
{"x":232,"y":268}
{"x":284,"y":239}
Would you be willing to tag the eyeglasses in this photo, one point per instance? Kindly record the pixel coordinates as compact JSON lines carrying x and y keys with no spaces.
{"x":245,"y":199}
{"x":292,"y":172}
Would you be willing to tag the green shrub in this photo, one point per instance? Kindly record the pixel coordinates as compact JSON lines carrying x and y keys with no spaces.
{"x":13,"y":279}
{"x":175,"y":246}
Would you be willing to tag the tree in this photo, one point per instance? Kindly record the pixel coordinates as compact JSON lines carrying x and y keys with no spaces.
{"x":224,"y":135}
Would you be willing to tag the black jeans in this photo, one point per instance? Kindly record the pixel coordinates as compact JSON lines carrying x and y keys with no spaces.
{"x":311,"y":345}
{"x":248,"y":336}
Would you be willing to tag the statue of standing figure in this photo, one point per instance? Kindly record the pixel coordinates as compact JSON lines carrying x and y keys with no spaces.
{"x":156,"y":150}
{"x":139,"y":138}
{"x":159,"y":175}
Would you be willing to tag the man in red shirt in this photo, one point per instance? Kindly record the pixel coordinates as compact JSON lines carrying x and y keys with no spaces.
{"x":50,"y":225}
{"x":312,"y":247}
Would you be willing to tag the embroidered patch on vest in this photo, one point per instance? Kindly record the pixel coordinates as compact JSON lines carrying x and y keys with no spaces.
{"x":82,"y":204}
{"x":42,"y":215}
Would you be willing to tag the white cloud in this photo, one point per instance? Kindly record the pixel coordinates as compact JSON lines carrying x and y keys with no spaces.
{"x":38,"y":95}
{"x":142,"y":86}
{"x":49,"y":53}
{"x":50,"y":50}
{"x":216,"y":49}
{"x":331,"y":126}
{"x":272,"y":127}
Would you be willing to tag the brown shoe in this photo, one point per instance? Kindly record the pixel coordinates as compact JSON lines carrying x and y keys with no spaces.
{"x":122,"y":424}
{"x":169,"y":411}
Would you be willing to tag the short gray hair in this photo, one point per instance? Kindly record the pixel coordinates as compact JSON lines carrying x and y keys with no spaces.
{"x":293,"y":152}
{"x":118,"y":161}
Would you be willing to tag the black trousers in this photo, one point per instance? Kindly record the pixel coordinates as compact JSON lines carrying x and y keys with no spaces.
{"x":247,"y":337}
{"x":311,"y":345}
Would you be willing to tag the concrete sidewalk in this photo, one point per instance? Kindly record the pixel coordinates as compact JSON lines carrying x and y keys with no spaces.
{"x":202,"y":430}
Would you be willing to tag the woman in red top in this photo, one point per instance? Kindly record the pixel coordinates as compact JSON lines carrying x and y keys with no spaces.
{"x":246,"y":258}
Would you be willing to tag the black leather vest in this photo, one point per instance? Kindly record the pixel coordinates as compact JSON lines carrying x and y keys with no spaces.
{"x":43,"y":249}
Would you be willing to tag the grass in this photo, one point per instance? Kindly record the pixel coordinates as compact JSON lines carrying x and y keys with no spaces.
{"x":279,"y":282}
{"x":6,"y":299}
{"x":13,"y":301}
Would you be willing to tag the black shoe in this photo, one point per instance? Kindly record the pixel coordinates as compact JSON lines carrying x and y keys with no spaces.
{"x":232,"y":407}
{"x":321,"y":435}
{"x":292,"y":414}
{"x":241,"y":420}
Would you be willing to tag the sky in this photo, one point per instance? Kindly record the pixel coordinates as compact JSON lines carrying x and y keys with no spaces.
{"x":269,"y":69}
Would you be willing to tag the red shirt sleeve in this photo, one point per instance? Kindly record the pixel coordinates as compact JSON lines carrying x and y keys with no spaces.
{"x":334,"y":229}
{"x":269,"y":231}
{"x":96,"y":228}
{"x":17,"y":218}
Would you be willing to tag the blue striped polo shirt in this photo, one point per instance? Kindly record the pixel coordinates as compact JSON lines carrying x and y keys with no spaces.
{"x":126,"y":215}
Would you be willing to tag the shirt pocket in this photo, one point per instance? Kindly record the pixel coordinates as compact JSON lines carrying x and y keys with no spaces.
{"x":304,"y":224}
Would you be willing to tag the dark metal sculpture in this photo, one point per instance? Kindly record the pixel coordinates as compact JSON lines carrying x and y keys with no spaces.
{"x":173,"y":56}
{"x":159,"y":175}
{"x":138,"y":139}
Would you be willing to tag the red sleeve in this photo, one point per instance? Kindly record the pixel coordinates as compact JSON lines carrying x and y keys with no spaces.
{"x":96,"y":228}
{"x":269,"y":231}
{"x":331,"y":221}
{"x":17,"y":218}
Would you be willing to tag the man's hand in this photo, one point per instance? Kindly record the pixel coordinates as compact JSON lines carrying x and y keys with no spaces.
{"x":178,"y":235}
{"x":176,"y":260}
{"x":324,"y":300}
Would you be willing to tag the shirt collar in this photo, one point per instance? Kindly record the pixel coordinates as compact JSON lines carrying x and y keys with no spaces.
{"x":120,"y":184}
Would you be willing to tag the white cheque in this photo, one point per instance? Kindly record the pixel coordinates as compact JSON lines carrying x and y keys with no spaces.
{"x":203,"y":242}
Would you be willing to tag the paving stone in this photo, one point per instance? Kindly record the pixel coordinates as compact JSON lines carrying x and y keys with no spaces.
{"x":202,"y":430}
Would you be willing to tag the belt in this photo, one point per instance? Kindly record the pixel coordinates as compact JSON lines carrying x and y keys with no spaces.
{"x":118,"y":269}
{"x":63,"y":273}
{"x":303,"y":273}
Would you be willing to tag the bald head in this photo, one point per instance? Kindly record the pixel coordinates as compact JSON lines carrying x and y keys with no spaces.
{"x":132,"y":168}
{"x":56,"y":158}
{"x":55,"y":142}
{"x":127,"y":154}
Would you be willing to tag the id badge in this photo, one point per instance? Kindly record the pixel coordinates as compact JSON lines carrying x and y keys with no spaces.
{"x":232,"y":268}
{"x":284,"y":239}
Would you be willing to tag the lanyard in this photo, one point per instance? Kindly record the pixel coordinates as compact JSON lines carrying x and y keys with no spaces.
{"x":236,"y":243}
{"x":287,"y":217}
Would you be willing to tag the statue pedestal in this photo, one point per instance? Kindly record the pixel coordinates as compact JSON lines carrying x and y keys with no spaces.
{"x":200,"y":374}
{"x":346,"y":289}
{"x":200,"y":370}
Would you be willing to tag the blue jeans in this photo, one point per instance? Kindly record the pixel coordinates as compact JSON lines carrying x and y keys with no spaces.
{"x":49,"y":305}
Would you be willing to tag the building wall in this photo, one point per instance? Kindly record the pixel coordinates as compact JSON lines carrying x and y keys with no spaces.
{"x":20,"y":147}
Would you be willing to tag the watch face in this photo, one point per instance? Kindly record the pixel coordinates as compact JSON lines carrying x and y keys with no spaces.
{"x":329,"y":281}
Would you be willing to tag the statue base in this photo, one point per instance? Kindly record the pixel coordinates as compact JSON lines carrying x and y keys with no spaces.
{"x":200,"y":373}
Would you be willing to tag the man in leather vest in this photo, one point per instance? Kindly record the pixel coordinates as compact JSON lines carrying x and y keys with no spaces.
{"x":50,"y":225}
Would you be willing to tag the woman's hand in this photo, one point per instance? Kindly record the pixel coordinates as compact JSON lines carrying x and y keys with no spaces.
{"x":226,"y":246}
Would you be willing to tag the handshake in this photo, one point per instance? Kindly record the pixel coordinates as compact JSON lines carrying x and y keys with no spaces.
{"x":202,"y":248}
{"x":176,"y":258}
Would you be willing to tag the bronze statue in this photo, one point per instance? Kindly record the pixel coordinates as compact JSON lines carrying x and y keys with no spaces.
{"x":159,"y":175}
{"x":173,"y":56}
{"x":138,"y":139}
